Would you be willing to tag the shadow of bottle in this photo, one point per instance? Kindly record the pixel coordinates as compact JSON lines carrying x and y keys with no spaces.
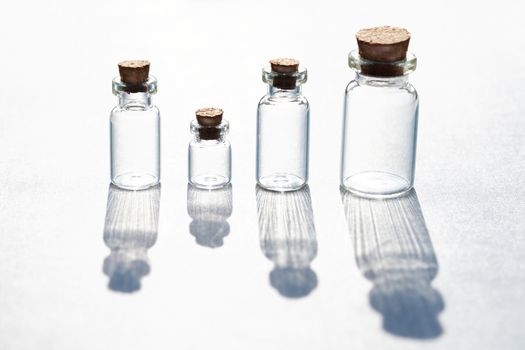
{"x":130,"y":229}
{"x":393,"y":249}
{"x":287,"y":237}
{"x":210,"y":210}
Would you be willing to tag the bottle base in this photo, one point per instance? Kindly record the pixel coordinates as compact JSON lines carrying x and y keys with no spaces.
{"x":209,"y":182}
{"x":376,"y":184}
{"x":134,"y":181}
{"x":282,"y":182}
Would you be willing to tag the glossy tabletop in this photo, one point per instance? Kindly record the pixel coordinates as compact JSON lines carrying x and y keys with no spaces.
{"x":84,"y":265}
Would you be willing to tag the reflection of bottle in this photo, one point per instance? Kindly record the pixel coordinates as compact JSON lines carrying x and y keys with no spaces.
{"x":209,"y":153}
{"x":210,"y":210}
{"x":287,"y":237}
{"x":130,"y":230}
{"x":393,"y":250}
{"x":380,"y":117}
{"x":282,"y":128}
{"x":135,"y":128}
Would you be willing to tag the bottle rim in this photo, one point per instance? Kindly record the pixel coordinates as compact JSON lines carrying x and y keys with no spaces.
{"x":301,"y":76}
{"x":389,"y":69}
{"x":224,"y":127}
{"x":150,"y":86}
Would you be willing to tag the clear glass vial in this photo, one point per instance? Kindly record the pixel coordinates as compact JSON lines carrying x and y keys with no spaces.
{"x":209,"y":154}
{"x":283,"y":128}
{"x":380,"y":116}
{"x":135,"y":128}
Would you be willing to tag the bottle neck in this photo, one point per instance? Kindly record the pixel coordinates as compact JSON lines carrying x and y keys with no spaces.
{"x":209,"y":135}
{"x":272,"y":90}
{"x":398,"y":81}
{"x":134,"y":100}
{"x":207,"y":139}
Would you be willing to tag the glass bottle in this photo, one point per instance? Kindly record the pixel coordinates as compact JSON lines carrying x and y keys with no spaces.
{"x":380,"y":118}
{"x":135,"y":128}
{"x":283,"y":128}
{"x":209,"y":154}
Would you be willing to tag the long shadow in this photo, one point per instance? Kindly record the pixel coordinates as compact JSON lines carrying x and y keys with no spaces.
{"x":287,"y":237}
{"x":130,"y":229}
{"x":210,"y":210}
{"x":393,"y":249}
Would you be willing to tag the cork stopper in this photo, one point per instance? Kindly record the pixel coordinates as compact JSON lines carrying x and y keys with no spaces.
{"x":209,"y":118}
{"x":283,"y":67}
{"x":383,"y":44}
{"x":134,"y":73}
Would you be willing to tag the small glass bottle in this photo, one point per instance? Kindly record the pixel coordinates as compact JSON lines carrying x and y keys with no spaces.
{"x":135,"y":128}
{"x":209,"y":154}
{"x":283,"y":128}
{"x":380,"y":116}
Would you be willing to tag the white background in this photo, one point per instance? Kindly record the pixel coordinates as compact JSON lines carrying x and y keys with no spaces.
{"x":56,"y":65}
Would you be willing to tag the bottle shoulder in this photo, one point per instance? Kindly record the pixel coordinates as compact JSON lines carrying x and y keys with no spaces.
{"x":148,"y":112}
{"x":209,"y":144}
{"x":407,"y":90}
{"x":351,"y":86}
{"x":284,"y":98}
{"x":412,"y":90}
{"x":156,"y":109}
{"x":135,"y":107}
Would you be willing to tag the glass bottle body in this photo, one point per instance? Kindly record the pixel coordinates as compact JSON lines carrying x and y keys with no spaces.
{"x":135,"y":141}
{"x":282,"y":140}
{"x":209,"y":160}
{"x":379,"y":136}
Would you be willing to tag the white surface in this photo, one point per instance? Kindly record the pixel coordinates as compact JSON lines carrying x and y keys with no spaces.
{"x":58,"y":59}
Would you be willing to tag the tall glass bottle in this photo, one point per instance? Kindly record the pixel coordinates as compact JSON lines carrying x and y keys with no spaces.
{"x":380,"y":116}
{"x":283,"y":128}
{"x":209,"y":154}
{"x":135,"y":128}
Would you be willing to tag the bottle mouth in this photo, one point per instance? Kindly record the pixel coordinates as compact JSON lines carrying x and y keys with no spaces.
{"x":205,"y":132}
{"x":286,"y":81}
{"x":382,"y":69}
{"x":150,"y":86}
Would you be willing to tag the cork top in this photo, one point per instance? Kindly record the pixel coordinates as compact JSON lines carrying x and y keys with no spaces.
{"x":284,"y":65}
{"x":134,"y":72}
{"x":209,"y":116}
{"x":383,"y":44}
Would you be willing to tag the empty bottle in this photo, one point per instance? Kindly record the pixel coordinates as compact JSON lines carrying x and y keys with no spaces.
{"x":283,"y":128}
{"x":135,"y":128}
{"x":380,"y":116}
{"x":209,"y":155}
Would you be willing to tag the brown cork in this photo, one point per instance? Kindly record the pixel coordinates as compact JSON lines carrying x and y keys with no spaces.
{"x":210,"y":118}
{"x":383,"y":45}
{"x":134,"y":73}
{"x":284,"y":66}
